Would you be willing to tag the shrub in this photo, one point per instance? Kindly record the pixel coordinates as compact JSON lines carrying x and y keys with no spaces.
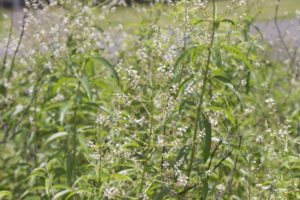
{"x":191,"y":109}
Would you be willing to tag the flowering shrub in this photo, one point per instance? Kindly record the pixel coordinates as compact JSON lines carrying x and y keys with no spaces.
{"x":194,"y":108}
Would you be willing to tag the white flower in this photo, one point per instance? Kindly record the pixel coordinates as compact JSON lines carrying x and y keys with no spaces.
{"x":243,"y":82}
{"x":249,"y":110}
{"x":101,"y":119}
{"x":220,"y":187}
{"x":182,"y":180}
{"x":59,"y":97}
{"x":160,"y":140}
{"x":259,"y":139}
{"x":270,"y":102}
{"x":111,"y":192}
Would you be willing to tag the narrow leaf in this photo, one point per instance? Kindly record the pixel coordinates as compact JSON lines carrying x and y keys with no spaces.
{"x":56,"y":136}
{"x":207,"y":138}
{"x":109,"y":66}
{"x":205,"y":189}
{"x":238,"y":54}
{"x":6,"y":194}
{"x":61,"y":194}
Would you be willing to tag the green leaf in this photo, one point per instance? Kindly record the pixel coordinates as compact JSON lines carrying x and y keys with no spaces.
{"x":56,"y":136}
{"x":207,"y":138}
{"x":90,"y":68}
{"x":38,"y":172}
{"x":238,"y":54}
{"x":86,"y":85}
{"x":70,"y":195}
{"x":121,"y":177}
{"x":184,"y":85}
{"x":63,"y":112}
{"x":183,"y":56}
{"x":5,"y":193}
{"x":218,"y":57}
{"x":228,"y":21}
{"x":61,"y":194}
{"x":109,"y":66}
{"x":205,"y":189}
{"x":228,"y":83}
{"x":48,"y":183}
{"x":223,"y":79}
{"x":3,"y":90}
{"x":64,"y":82}
{"x":227,"y":112}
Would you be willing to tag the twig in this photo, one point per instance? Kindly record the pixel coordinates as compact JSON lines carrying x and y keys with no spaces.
{"x":18,"y":46}
{"x":222,"y":160}
{"x":213,"y":153}
{"x":214,"y":169}
{"x":279,"y":30}
{"x":8,"y":42}
{"x":234,"y":169}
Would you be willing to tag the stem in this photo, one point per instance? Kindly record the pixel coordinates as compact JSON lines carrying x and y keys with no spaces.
{"x":8,"y":42}
{"x":203,"y":90}
{"x":279,"y":31}
{"x":17,"y":48}
{"x":221,"y":161}
{"x":213,"y":154}
{"x":147,"y":152}
{"x":234,"y":170}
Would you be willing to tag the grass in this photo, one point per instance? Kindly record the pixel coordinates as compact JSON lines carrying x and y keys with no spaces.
{"x":263,"y":9}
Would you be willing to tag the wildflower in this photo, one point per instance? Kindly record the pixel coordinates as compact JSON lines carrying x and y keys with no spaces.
{"x":220,"y":187}
{"x":259,"y":139}
{"x":59,"y":97}
{"x":160,"y":140}
{"x":243,"y":82}
{"x":283,"y":132}
{"x":101,"y":119}
{"x":111,"y":193}
{"x":270,"y":102}
{"x":182,"y":180}
{"x":208,"y":172}
{"x":249,"y":110}
{"x":91,"y":144}
{"x":95,"y":156}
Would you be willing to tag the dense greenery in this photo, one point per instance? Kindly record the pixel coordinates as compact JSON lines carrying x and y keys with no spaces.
{"x":195,"y":109}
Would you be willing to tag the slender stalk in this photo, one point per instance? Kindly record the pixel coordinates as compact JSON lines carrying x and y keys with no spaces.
{"x":18,"y":47}
{"x":8,"y":42}
{"x":213,"y":154}
{"x":234,"y":170}
{"x":74,"y":123}
{"x":203,"y":90}
{"x":147,"y":151}
{"x":279,"y":30}
{"x":221,"y":161}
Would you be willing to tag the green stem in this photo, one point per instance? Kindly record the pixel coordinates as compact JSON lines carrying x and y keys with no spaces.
{"x":147,"y":153}
{"x":203,"y":90}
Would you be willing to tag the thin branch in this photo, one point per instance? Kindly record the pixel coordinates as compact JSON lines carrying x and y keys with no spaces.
{"x":234,"y":169}
{"x":8,"y":42}
{"x":213,"y":153}
{"x":222,"y":160}
{"x":279,"y":30}
{"x":214,"y":169}
{"x":18,"y":47}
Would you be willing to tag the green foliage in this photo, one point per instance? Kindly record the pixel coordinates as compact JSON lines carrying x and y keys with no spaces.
{"x":197,"y":109}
